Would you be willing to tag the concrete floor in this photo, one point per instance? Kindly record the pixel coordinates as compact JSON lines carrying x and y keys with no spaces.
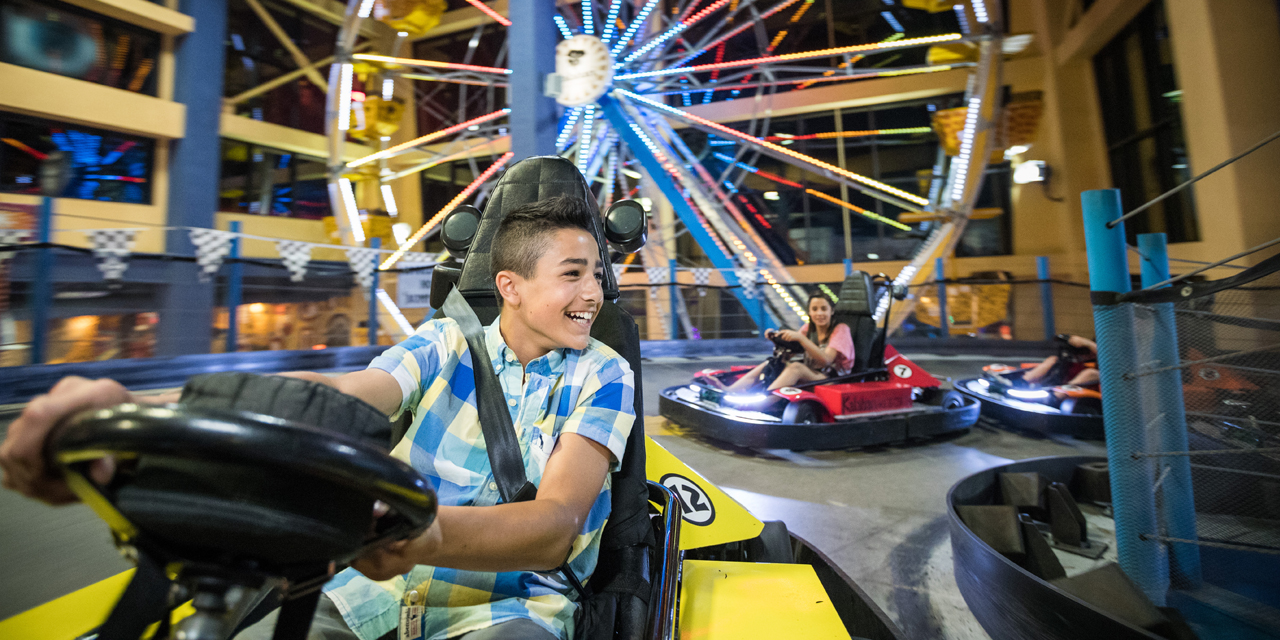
{"x":879,"y":514}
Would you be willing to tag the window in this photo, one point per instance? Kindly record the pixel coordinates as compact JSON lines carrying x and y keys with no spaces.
{"x":58,"y":38}
{"x":255,"y":56}
{"x":104,"y":165}
{"x":270,"y":182}
{"x":1142,"y":119}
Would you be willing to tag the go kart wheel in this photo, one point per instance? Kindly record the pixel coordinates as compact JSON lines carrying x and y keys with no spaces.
{"x":1081,"y":406}
{"x":772,"y":545}
{"x":951,"y":400}
{"x":804,"y":412}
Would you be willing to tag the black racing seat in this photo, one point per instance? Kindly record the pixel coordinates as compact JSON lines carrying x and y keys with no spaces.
{"x":623,"y":572}
{"x":856,"y":308}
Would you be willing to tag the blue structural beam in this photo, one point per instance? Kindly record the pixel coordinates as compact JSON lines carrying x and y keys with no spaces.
{"x":42,"y":284}
{"x":235,"y":282}
{"x":944,"y":320}
{"x":1132,"y":479}
{"x":372,"y":324}
{"x":186,"y":308}
{"x":684,"y":210}
{"x":1177,"y":502}
{"x":531,"y":40}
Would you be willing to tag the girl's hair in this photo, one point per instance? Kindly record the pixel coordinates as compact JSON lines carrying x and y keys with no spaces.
{"x":818,"y":294}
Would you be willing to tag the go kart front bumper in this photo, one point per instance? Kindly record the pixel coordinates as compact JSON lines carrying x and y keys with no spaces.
{"x":1027,"y":415}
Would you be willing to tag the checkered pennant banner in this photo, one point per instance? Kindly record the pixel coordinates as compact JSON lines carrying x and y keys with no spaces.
{"x":11,"y":237}
{"x":112,"y":248}
{"x":656,"y":275}
{"x":747,"y":278}
{"x":362,"y":263}
{"x":212,"y":245}
{"x":295,"y":256}
{"x":702,"y":278}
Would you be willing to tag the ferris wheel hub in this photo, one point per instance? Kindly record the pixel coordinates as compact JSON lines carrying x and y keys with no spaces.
{"x":584,"y":69}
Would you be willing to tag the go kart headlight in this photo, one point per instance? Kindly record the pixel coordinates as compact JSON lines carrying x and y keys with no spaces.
{"x":746,"y":400}
{"x":1037,"y":394}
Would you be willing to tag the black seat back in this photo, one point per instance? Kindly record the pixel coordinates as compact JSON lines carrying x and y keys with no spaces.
{"x":623,"y":566}
{"x":856,"y":308}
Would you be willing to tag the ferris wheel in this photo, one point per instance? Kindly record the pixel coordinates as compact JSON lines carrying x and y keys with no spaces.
{"x":624,"y":70}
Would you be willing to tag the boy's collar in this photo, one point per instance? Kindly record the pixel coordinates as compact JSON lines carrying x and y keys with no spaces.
{"x":501,"y":355}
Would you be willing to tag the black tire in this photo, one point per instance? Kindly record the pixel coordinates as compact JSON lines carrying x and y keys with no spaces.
{"x":772,"y":545}
{"x":804,"y":412}
{"x":945,"y":398}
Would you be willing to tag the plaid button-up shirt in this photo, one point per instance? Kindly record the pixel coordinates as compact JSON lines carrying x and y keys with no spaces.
{"x":588,"y":392}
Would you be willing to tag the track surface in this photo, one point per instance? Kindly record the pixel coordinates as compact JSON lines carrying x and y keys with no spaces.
{"x":879,"y":514}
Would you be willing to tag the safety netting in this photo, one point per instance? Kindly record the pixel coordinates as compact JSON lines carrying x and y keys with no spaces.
{"x":1206,"y":385}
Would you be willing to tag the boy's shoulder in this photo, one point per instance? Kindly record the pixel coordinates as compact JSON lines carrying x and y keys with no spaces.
{"x":601,"y":357}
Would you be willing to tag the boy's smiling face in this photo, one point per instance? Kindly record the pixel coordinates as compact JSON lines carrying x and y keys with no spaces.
{"x":555,"y":307}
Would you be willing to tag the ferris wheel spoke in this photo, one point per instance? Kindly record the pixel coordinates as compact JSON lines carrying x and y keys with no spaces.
{"x":430,"y":137}
{"x":584,"y":136}
{"x":479,"y":147}
{"x":429,"y":225}
{"x":673,"y":31}
{"x":429,"y":64}
{"x":804,"y":55}
{"x":873,"y":188}
{"x":634,"y":27}
{"x":611,"y":22}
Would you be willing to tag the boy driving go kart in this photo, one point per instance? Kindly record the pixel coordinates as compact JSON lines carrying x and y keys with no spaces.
{"x":482,"y":570}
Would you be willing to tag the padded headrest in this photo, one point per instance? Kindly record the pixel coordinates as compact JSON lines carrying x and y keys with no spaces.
{"x":857,"y":296}
{"x":529,"y":180}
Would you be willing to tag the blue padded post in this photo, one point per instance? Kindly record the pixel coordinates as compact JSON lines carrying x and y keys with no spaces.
{"x":1132,"y":480}
{"x":1178,"y":507}
{"x":1046,"y":297}
{"x":944,"y":322}
{"x":675,"y":308}
{"x":531,"y":39}
{"x":235,"y":280}
{"x":848,"y":267}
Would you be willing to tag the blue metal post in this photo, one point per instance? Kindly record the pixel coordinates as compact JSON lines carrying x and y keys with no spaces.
{"x":1046,"y":297}
{"x":1177,"y":501}
{"x":42,"y":284}
{"x":675,"y":308}
{"x":675,"y":196}
{"x":531,"y":39}
{"x":235,"y":281}
{"x":848,"y":267}
{"x":1132,"y":479}
{"x":939,"y":274}
{"x":376,"y":243}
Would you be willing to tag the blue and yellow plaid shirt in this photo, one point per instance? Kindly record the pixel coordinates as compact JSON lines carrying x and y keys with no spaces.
{"x":588,"y":392}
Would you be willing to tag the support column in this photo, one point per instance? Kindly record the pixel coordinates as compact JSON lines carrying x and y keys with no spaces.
{"x":531,"y":42}
{"x":186,"y":308}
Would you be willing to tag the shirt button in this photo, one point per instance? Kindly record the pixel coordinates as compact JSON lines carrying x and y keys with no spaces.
{"x":511,"y":402}
{"x":413,"y":597}
{"x":493,"y":486}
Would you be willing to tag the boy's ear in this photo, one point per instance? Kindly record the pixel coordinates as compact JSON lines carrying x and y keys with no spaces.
{"x":506,"y":282}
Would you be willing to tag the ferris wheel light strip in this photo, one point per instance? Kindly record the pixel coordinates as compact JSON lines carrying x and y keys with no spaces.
{"x":497,"y":17}
{"x":736,"y":30}
{"x":851,"y":134}
{"x":563,"y":26}
{"x":672,"y":32}
{"x":632,"y":28}
{"x":389,"y":151}
{"x":568,"y":127}
{"x":466,"y":193}
{"x":353,"y":212}
{"x":390,"y":306}
{"x":588,"y":17}
{"x":855,"y":208}
{"x":756,"y":170}
{"x":966,"y":148}
{"x":611,"y":21}
{"x":584,"y":139}
{"x":434,"y":64}
{"x":345,"y":72}
{"x":366,"y":8}
{"x":805,"y":55}
{"x":685,"y":115}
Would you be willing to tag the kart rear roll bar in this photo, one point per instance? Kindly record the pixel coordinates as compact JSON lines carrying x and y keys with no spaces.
{"x":663,"y":602}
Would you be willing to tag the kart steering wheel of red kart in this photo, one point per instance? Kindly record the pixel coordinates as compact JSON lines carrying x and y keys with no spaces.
{"x":233,"y":498}
{"x":789,"y":346}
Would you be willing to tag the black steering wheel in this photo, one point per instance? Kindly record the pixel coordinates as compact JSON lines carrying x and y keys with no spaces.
{"x":238,"y":487}
{"x":1071,"y":354}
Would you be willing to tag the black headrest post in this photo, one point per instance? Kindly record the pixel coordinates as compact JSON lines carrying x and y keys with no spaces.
{"x":529,"y":180}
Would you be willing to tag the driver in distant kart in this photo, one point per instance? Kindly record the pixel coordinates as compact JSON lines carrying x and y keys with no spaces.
{"x":1078,"y":374}
{"x":483,"y":570}
{"x":828,"y":351}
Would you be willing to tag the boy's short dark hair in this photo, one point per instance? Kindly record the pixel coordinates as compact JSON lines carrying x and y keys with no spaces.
{"x":519,"y":243}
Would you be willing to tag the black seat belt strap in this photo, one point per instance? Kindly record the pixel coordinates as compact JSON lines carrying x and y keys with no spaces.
{"x":495,"y":421}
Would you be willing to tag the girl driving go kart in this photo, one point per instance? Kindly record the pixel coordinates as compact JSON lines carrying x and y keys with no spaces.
{"x":828,"y":351}
{"x":1075,"y":366}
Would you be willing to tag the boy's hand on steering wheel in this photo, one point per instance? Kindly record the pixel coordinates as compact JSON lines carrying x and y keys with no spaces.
{"x":399,"y":557}
{"x":22,"y":455}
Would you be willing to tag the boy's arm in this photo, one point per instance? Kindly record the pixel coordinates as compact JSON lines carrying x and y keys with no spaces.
{"x":374,"y":386}
{"x":524,"y":536}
